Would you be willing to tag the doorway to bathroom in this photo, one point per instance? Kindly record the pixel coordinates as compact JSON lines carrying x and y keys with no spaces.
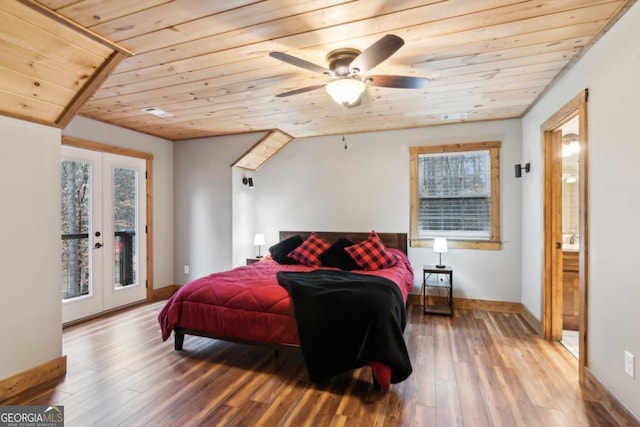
{"x":565,"y":151}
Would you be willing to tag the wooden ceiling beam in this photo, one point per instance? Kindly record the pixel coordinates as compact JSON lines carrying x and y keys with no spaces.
{"x":63,"y":20}
{"x":89,"y":88}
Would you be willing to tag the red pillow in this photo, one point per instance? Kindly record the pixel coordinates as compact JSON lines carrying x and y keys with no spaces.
{"x":371,"y":254}
{"x":309,"y":251}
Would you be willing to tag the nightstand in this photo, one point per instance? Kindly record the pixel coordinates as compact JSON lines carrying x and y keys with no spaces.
{"x":253,"y":259}
{"x":437,"y":290}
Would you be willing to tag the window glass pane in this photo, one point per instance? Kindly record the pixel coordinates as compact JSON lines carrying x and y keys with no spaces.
{"x":124,"y":225}
{"x":75,"y":201}
{"x":454,"y":194}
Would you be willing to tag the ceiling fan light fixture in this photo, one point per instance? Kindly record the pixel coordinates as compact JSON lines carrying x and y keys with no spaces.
{"x":345,"y":91}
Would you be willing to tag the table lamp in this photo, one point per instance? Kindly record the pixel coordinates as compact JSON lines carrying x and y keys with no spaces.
{"x":440,"y":245}
{"x":259,"y":241}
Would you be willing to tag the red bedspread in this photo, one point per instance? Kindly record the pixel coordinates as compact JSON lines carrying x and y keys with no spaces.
{"x":247,"y":303}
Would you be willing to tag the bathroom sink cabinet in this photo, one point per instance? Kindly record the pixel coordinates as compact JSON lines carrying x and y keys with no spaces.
{"x":570,"y":290}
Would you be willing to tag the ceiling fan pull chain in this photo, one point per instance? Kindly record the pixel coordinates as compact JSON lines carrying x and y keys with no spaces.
{"x":344,"y":121}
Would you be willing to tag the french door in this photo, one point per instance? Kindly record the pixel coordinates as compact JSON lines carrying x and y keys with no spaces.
{"x":103,"y":207}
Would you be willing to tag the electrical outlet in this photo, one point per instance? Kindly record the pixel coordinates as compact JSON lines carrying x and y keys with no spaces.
{"x":629,"y":364}
{"x":186,"y":269}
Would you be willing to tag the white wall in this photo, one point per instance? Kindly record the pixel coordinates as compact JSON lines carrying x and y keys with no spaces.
{"x":162,"y":150}
{"x":610,"y":70}
{"x":243,"y":217}
{"x":206,"y":190}
{"x":30,"y":309}
{"x":315,"y":184}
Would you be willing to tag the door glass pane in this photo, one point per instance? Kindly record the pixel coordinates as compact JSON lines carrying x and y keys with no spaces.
{"x":75,"y":197}
{"x":125,"y":185}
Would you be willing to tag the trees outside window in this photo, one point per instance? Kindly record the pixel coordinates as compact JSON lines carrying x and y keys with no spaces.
{"x":75,"y":196}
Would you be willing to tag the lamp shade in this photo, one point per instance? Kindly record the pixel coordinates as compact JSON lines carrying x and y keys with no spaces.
{"x":440,"y":244}
{"x":258,"y":240}
{"x":345,"y":91}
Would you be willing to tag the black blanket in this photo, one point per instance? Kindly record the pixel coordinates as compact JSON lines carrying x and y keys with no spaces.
{"x":346,"y":320}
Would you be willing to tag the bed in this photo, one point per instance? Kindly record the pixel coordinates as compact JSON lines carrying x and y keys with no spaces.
{"x":278,"y":305}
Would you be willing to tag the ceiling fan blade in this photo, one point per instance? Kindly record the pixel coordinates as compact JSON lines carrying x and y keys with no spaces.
{"x":399,"y":82}
{"x":376,"y":53}
{"x":300,"y":63}
{"x":301,"y":90}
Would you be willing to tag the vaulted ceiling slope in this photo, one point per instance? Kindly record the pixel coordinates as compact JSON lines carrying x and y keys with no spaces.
{"x":49,"y":66}
{"x":207,"y":63}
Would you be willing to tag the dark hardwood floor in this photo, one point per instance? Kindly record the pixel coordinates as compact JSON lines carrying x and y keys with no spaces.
{"x":478,"y":368}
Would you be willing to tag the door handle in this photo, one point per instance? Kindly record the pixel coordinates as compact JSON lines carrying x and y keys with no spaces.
{"x":98,"y":245}
{"x":558,"y":245}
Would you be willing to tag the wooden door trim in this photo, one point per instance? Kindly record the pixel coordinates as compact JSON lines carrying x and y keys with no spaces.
{"x":577,"y":106}
{"x":583,"y":227}
{"x":552,"y":295}
{"x":148,"y":157}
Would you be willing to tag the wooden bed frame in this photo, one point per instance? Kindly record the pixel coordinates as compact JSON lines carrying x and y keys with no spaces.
{"x":390,"y":240}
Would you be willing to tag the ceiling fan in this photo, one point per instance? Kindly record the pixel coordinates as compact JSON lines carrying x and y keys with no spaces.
{"x":349,"y":66}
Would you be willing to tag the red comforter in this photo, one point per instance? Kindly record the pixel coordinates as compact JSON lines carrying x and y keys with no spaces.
{"x":247,"y":303}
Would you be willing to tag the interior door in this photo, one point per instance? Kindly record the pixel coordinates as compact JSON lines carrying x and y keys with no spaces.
{"x":552,"y":313}
{"x":103,"y":207}
{"x":554,"y":223}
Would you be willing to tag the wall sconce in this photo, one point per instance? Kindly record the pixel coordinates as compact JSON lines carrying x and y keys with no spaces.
{"x":519,"y":168}
{"x":247,"y":181}
{"x":440,"y":246}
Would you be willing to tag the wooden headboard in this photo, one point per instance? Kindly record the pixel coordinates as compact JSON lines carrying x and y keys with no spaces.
{"x":390,"y":240}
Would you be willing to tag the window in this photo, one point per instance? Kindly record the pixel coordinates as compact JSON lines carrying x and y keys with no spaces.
{"x":455,"y":194}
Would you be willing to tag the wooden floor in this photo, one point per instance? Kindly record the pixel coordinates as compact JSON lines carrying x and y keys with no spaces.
{"x":475,"y":369}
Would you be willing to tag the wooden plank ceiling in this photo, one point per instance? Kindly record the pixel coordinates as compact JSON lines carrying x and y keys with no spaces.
{"x":207,"y":64}
{"x":49,"y":66}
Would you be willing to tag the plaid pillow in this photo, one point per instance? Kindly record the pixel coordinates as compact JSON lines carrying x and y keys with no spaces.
{"x":309,"y":251}
{"x":371,"y":254}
